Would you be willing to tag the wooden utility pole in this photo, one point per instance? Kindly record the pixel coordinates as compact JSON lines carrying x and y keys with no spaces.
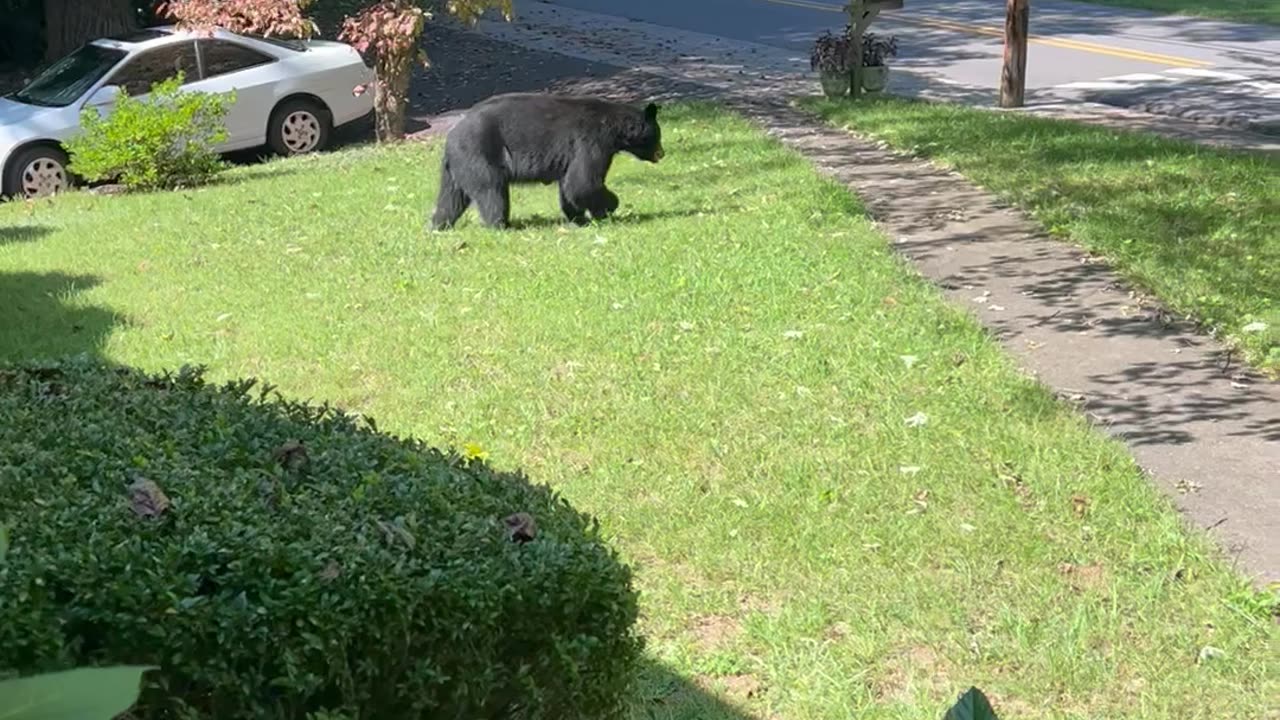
{"x":1013,"y":76}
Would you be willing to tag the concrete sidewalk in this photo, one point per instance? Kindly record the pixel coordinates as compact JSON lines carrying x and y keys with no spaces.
{"x":1207,"y":431}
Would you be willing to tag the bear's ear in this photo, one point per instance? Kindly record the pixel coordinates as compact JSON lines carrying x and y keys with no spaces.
{"x":651,"y":111}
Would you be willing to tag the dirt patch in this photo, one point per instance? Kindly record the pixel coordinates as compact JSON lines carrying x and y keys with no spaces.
{"x":913,"y":667}
{"x":1084,"y":577}
{"x":750,"y":603}
{"x":713,"y":632}
{"x":738,"y":688}
{"x":1006,"y":706}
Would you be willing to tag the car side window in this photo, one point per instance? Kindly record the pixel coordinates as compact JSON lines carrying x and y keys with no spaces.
{"x":153,"y":66}
{"x":219,"y":57}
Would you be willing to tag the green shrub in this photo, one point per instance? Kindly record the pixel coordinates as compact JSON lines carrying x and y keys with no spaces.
{"x":281,"y":560}
{"x":163,"y":141}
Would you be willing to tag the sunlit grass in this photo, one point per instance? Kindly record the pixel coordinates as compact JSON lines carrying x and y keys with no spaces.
{"x":841,"y":499}
{"x":1245,"y":11}
{"x":1197,"y":227}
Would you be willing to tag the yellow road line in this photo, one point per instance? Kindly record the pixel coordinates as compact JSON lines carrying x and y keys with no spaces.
{"x":1080,"y":45}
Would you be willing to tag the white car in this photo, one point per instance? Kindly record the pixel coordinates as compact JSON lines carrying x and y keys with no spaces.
{"x":290,"y":95}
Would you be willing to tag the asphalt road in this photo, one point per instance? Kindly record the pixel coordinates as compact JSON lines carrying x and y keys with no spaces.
{"x":1076,"y":49}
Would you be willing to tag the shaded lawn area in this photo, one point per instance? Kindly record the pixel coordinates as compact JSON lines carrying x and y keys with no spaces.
{"x":1246,"y":11}
{"x":1198,"y":228}
{"x":839,"y":496}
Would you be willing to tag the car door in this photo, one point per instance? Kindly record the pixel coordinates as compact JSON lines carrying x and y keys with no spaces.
{"x":228,"y":65}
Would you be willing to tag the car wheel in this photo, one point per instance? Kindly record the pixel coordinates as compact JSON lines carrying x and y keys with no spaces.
{"x":37,"y":171}
{"x":298,"y":127}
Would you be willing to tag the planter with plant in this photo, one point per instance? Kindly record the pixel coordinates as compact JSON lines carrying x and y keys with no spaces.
{"x":832,"y":57}
{"x":875,"y":50}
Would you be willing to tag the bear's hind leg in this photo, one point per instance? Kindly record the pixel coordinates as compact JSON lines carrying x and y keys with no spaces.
{"x":450,"y":203}
{"x":494,"y":205}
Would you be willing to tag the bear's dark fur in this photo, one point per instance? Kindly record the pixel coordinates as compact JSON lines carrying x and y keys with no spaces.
{"x":533,"y":137}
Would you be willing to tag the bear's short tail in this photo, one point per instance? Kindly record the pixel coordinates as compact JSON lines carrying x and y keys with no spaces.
{"x":450,"y":203}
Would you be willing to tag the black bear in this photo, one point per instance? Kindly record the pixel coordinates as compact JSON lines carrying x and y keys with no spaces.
{"x":535,"y":137}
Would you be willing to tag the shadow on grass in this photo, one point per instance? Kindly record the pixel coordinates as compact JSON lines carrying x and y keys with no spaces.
{"x":623,"y":217}
{"x":14,"y":234}
{"x":40,"y":321}
{"x":660,"y":693}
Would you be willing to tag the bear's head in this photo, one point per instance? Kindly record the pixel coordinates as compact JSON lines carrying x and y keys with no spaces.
{"x":645,"y":141}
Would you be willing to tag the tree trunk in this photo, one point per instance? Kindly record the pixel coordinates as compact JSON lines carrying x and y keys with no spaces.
{"x":71,"y":23}
{"x":391,"y":97}
{"x":1013,"y":76}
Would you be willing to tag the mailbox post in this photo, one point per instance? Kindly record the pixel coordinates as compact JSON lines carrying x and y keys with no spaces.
{"x":861,"y":14}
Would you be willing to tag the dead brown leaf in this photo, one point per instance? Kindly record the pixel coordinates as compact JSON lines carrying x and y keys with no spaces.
{"x":292,"y":455}
{"x":1080,"y":505}
{"x":915,"y":666}
{"x":146,"y":499}
{"x":520,"y":526}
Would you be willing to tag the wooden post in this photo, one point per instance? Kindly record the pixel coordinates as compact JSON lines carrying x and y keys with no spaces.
{"x":856,"y":13}
{"x":1013,"y":76}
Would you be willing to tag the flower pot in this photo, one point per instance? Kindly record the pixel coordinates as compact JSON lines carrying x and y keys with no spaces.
{"x":835,"y":84}
{"x":875,"y":77}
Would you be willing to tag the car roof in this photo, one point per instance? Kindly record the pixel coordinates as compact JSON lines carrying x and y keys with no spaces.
{"x":161,"y":35}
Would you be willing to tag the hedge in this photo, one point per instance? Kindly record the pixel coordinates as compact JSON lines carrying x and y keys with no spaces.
{"x":284,"y":560}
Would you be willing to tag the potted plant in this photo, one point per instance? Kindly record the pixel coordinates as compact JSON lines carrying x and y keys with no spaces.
{"x":832,"y":57}
{"x":875,"y":49}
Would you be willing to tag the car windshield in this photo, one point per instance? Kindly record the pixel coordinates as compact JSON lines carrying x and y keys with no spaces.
{"x":63,"y":82}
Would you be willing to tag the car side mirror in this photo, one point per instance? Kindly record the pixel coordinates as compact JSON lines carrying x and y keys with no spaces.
{"x":104,"y":95}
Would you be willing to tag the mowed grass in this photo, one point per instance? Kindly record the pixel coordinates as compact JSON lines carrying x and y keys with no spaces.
{"x":840,"y":498}
{"x":1245,"y":11}
{"x":1198,"y":228}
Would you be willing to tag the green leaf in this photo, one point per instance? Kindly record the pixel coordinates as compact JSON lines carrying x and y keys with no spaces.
{"x":973,"y":705}
{"x":84,"y":694}
{"x":4,"y":541}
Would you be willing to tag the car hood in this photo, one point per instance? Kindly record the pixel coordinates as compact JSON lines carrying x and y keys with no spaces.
{"x":13,"y":112}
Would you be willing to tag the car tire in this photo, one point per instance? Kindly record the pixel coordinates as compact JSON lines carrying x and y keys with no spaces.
{"x":37,"y":171}
{"x":298,"y":127}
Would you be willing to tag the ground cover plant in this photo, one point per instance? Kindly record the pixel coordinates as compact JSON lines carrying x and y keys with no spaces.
{"x":840,"y":499}
{"x":279,"y":560}
{"x":1197,"y":227}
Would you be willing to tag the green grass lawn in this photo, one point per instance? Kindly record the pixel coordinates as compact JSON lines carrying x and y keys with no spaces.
{"x":1247,"y":11}
{"x":1198,"y":228}
{"x":840,"y":497}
